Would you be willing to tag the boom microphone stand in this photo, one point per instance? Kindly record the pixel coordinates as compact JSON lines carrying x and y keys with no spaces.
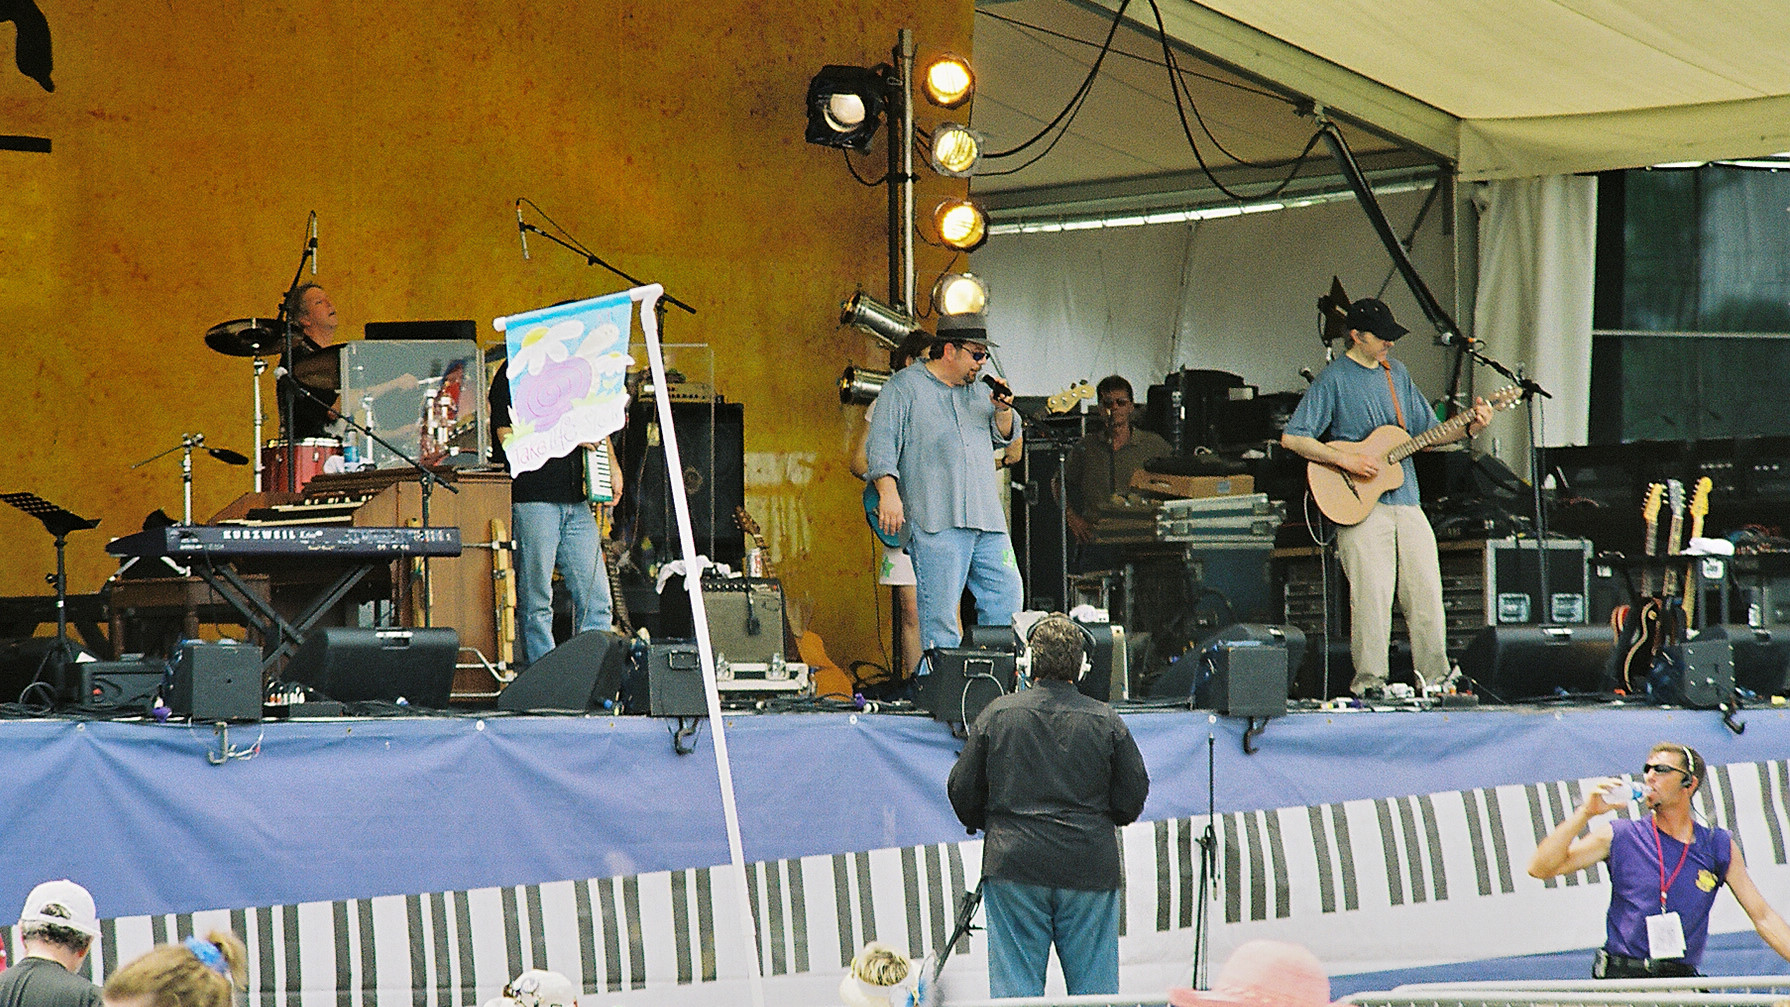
{"x":288,"y":395}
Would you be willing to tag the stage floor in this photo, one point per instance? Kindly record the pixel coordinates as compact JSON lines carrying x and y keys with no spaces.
{"x":428,"y":859}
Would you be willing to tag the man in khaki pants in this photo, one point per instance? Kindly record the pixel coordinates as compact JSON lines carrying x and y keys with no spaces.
{"x":1393,"y":550}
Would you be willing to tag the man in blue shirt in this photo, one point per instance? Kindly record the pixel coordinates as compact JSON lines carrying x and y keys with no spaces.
{"x":931,"y":454}
{"x":1393,"y":550}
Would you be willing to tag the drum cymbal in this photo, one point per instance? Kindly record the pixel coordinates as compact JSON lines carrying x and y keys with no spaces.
{"x":320,"y":371}
{"x":245,"y":337}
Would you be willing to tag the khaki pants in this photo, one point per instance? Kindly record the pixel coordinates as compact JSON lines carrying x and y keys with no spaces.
{"x":1393,"y":552}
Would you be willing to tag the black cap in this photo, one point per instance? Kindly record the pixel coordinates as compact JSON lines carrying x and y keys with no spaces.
{"x":1372,"y":315}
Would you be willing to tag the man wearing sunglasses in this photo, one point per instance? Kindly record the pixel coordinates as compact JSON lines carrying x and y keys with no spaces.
{"x":930,"y":450}
{"x":1664,"y":870}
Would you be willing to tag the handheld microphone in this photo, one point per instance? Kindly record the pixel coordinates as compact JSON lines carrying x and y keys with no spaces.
{"x":1000,"y":387}
{"x":312,"y":245}
{"x":521,"y":230}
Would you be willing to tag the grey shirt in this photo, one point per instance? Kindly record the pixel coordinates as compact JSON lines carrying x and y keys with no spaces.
{"x":936,"y":440}
{"x":40,"y":982}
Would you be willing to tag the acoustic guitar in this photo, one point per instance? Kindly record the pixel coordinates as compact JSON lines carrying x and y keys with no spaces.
{"x":1348,"y":499}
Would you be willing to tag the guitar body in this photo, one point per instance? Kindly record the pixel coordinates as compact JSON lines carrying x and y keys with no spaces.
{"x":1347,"y":499}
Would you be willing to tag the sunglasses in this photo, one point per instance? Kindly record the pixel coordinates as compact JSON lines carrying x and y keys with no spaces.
{"x":1660,"y":767}
{"x":977,"y":355}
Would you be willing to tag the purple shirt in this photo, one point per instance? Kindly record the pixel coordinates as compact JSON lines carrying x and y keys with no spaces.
{"x":1635,"y":877}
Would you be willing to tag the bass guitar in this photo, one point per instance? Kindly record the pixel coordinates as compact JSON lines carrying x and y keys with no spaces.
{"x":1636,"y":624}
{"x":1348,"y":499}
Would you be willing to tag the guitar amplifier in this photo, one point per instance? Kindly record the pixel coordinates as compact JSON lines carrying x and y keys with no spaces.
{"x":745,"y":617}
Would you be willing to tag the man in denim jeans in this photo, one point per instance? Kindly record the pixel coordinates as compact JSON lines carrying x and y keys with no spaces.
{"x":931,"y":458}
{"x":553,"y":526}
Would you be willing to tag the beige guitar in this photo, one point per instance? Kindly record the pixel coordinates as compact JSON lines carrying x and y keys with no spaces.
{"x":1066,"y":399}
{"x":1348,"y":499}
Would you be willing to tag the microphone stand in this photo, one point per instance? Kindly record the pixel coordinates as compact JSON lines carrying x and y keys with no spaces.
{"x":593,"y":259}
{"x":1531,"y":389}
{"x":288,"y":397}
{"x":189,"y":442}
{"x":428,"y":477}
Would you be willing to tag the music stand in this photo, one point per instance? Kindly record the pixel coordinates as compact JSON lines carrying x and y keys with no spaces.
{"x":59,"y":523}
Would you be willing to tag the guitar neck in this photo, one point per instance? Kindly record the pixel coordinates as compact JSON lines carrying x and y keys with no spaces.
{"x":1652,"y":550}
{"x":1442,"y":433}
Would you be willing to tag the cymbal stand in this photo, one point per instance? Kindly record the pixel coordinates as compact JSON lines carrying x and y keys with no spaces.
{"x":260,"y":366}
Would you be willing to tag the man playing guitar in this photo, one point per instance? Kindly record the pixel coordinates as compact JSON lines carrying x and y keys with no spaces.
{"x":1393,"y":549}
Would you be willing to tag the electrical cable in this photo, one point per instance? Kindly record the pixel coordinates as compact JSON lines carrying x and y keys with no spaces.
{"x":849,"y":166}
{"x":1075,"y":101}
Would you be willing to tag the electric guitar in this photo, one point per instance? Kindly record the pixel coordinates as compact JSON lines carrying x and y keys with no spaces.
{"x":1636,"y":625}
{"x":1699,"y":510}
{"x":1664,"y":625}
{"x":1348,"y":499}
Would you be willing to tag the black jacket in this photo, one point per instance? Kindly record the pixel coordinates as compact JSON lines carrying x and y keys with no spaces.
{"x":1049,"y":774}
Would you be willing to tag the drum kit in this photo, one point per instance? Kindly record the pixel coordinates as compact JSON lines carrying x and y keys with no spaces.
{"x":258,"y":339}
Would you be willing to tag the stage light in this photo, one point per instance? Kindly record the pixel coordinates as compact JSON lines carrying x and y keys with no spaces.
{"x":845,"y":104}
{"x":959,"y":294}
{"x":955,"y":150}
{"x":887,"y":324}
{"x":860,"y":386}
{"x":961,"y":224}
{"x":949,"y":82}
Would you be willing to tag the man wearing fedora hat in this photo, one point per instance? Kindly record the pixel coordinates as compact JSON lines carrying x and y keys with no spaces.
{"x":929,"y":452}
{"x":56,"y":928}
{"x":1393,"y":550}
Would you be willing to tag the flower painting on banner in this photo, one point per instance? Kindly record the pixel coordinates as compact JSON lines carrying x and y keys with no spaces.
{"x":568,"y":377}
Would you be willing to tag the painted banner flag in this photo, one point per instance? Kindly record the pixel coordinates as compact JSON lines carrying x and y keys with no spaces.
{"x":568,"y":377}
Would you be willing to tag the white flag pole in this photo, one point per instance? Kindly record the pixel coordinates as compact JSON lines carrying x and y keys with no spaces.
{"x":648,"y":296}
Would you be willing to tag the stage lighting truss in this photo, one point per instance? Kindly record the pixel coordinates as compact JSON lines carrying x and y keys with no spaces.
{"x":845,"y":105}
{"x":948,"y":81}
{"x":889,"y":325}
{"x":959,"y":294}
{"x":955,"y":150}
{"x":960,"y":224}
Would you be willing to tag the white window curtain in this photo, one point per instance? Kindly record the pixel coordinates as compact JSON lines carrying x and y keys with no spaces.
{"x":1537,"y":257}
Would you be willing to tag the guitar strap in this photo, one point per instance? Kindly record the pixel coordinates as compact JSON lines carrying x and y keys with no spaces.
{"x":1396,"y":407}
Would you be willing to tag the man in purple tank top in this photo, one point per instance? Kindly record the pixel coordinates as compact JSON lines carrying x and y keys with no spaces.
{"x":1664,"y":870}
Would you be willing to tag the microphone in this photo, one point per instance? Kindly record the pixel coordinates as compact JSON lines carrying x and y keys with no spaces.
{"x":1000,"y":387}
{"x":227,"y":456}
{"x":280,"y":372}
{"x":1305,"y":372}
{"x":521,"y":230}
{"x":312,"y":244}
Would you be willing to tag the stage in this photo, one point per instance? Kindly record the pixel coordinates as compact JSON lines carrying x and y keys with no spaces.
{"x":425,"y":860}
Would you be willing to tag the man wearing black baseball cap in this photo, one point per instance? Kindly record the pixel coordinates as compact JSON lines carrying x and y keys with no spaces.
{"x":1393,"y":550}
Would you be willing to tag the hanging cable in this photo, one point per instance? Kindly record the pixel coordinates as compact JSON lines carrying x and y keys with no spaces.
{"x":1075,"y":101}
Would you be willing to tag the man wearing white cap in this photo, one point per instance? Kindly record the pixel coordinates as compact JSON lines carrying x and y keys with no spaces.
{"x":56,"y":927}
{"x":928,"y":452}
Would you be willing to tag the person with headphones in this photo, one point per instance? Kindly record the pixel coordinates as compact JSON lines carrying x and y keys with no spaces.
{"x":1048,"y":775}
{"x":1665,"y":869}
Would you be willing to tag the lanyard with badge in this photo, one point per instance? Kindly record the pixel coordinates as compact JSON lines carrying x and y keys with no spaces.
{"x":1665,"y":932}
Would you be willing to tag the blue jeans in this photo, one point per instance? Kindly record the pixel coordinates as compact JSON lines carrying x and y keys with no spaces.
{"x":944,"y":562}
{"x":1023,"y":922}
{"x":563,"y":535}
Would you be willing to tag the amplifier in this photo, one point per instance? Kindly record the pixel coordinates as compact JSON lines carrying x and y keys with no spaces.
{"x":116,"y":685}
{"x":1698,"y":675}
{"x":962,"y":682}
{"x":674,"y":680}
{"x":1761,"y":656}
{"x":745,"y":617}
{"x":217,"y":681}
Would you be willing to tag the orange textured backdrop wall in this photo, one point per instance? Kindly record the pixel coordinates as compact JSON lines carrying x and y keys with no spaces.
{"x":191,"y":138}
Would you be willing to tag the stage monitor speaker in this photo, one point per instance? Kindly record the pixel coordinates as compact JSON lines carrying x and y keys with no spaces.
{"x":117,"y":685}
{"x":1509,"y":663}
{"x":962,"y":681}
{"x":355,"y":665}
{"x":674,"y":680}
{"x":1246,"y":669}
{"x":217,"y":681}
{"x":1698,"y":675}
{"x":712,"y":445}
{"x":584,"y":673}
{"x":1761,"y":656}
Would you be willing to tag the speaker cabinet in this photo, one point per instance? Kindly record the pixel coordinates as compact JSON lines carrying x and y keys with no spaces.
{"x":962,"y":681}
{"x":1109,"y":664}
{"x":1698,"y":674}
{"x":674,"y":680}
{"x":1246,"y":670}
{"x":1509,"y":663}
{"x":355,"y":665}
{"x":1513,"y":593}
{"x":584,"y":673}
{"x":217,"y":681}
{"x":712,"y":446}
{"x":1761,"y":656}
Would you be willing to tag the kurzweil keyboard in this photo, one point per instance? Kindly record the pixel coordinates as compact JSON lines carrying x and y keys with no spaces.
{"x":288,"y":540}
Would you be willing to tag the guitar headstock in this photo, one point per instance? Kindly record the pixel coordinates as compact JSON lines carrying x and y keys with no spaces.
{"x":1675,"y":497}
{"x":1700,"y":499}
{"x":1656,"y":493}
{"x":1505,"y":397}
{"x":744,"y":521}
{"x":1066,"y":399}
